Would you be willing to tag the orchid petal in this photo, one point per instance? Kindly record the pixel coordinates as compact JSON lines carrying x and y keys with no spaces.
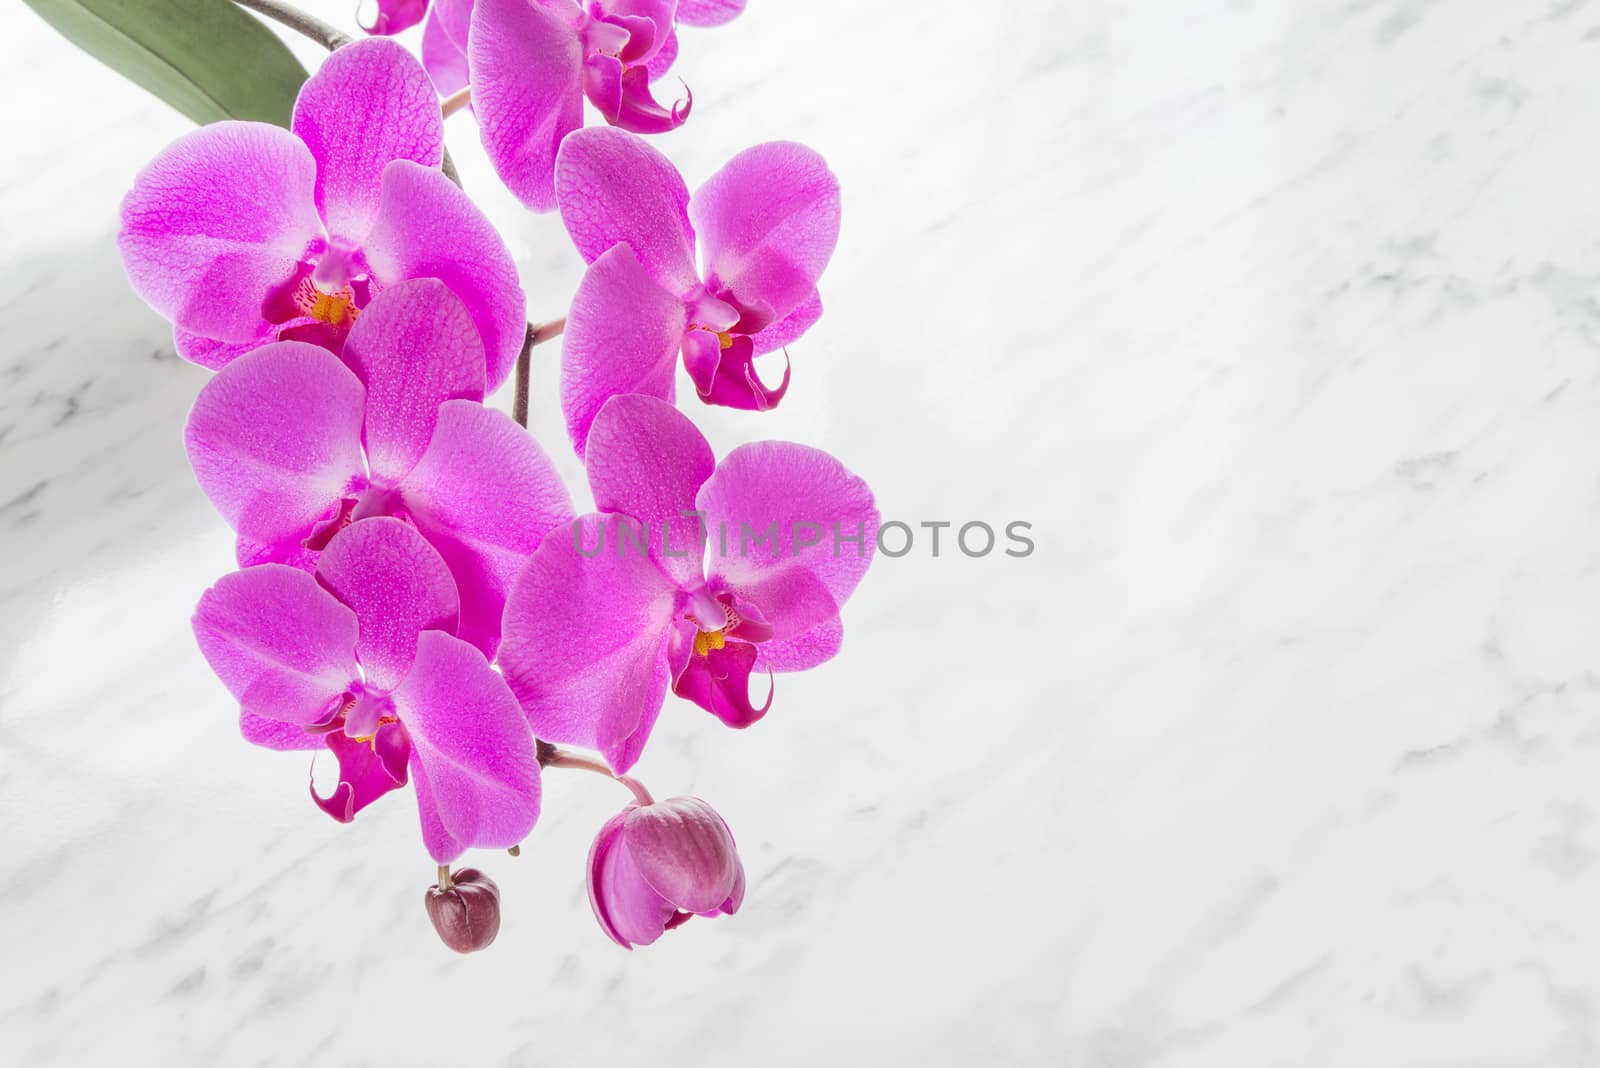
{"x":212,"y":354}
{"x":646,"y":460}
{"x":455,"y":19}
{"x":396,"y":16}
{"x":275,"y":440}
{"x":414,"y":347}
{"x":665,"y":56}
{"x":443,"y":59}
{"x":815,"y":646}
{"x":794,"y":529}
{"x":485,"y":495}
{"x":585,"y":638}
{"x":280,"y":644}
{"x":719,"y":682}
{"x":527,"y":91}
{"x":428,"y":228}
{"x":622,"y":336}
{"x":683,"y":850}
{"x":609,"y":838}
{"x":369,"y":103}
{"x":398,"y":587}
{"x":367,"y":770}
{"x":215,"y":222}
{"x":614,"y":188}
{"x":471,"y":741}
{"x":638,"y":110}
{"x":787,"y":331}
{"x":637,"y":914}
{"x":708,"y":12}
{"x":274,"y":734}
{"x":727,"y":376}
{"x":767,"y":222}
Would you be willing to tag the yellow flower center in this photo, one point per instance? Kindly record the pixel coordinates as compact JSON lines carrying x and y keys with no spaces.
{"x":336,"y":309}
{"x":707,"y":640}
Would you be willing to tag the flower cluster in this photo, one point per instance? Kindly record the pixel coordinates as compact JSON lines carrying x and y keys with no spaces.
{"x":415,"y":591}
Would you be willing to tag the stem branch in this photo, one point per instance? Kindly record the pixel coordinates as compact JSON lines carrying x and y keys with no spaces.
{"x":552,"y":757}
{"x":298,"y":21}
{"x":538,"y":334}
{"x":455,"y":101}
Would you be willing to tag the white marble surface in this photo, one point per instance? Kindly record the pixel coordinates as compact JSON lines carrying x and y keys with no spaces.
{"x":1277,"y":318}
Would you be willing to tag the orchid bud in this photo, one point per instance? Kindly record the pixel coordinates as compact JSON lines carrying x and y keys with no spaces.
{"x":654,"y":866}
{"x":466,"y":911}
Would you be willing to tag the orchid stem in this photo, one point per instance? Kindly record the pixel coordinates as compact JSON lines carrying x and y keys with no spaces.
{"x":329,"y":38}
{"x":538,"y":334}
{"x":298,"y":21}
{"x":445,"y":881}
{"x":455,"y":101}
{"x":552,"y":757}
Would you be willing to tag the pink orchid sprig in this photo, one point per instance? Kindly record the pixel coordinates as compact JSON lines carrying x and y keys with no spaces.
{"x":414,"y":601}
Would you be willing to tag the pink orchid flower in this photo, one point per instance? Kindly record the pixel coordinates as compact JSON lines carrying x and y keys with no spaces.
{"x":695,"y":573}
{"x":655,"y":867}
{"x":532,"y":63}
{"x":396,"y":16}
{"x":362,"y":659}
{"x":765,"y":224}
{"x":292,"y":444}
{"x":243,"y":233}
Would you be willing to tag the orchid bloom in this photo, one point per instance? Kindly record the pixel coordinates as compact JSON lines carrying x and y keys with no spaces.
{"x":243,"y":233}
{"x":396,"y":16}
{"x":765,"y":224}
{"x":531,"y":63}
{"x":362,"y":659}
{"x":654,"y":867}
{"x":694,"y":573}
{"x":292,"y":444}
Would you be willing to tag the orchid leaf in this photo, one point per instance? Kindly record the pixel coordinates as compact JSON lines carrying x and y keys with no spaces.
{"x":207,"y":58}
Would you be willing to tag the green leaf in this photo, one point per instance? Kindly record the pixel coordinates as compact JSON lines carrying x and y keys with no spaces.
{"x":207,"y":58}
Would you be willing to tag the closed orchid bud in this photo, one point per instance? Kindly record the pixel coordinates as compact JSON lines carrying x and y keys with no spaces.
{"x":654,"y":866}
{"x":466,"y":910}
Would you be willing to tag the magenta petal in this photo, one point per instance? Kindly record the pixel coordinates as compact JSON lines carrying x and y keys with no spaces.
{"x":609,"y":837}
{"x":212,"y":354}
{"x":684,"y":851}
{"x":732,"y":381}
{"x":398,"y":587}
{"x":428,"y":228}
{"x":665,"y":56}
{"x":584,"y":647}
{"x":455,"y":19}
{"x":271,"y":734}
{"x":788,"y":329}
{"x":485,"y":495}
{"x":647,"y":460}
{"x":767,"y":222}
{"x":637,"y":914}
{"x":367,"y":770}
{"x":369,"y":103}
{"x":614,"y":188}
{"x":215,"y":222}
{"x":816,"y":646}
{"x":275,"y":440}
{"x":278,"y":642}
{"x":472,"y":742}
{"x":527,"y":92}
{"x":415,"y":347}
{"x":397,"y":16}
{"x":640,"y":112}
{"x":443,"y":59}
{"x":719,"y":682}
{"x":622,"y":336}
{"x":708,"y":12}
{"x":800,"y":531}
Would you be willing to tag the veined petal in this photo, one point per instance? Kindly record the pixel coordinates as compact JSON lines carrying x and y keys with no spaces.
{"x":614,"y":188}
{"x":584,"y":647}
{"x":275,"y":440}
{"x":609,"y":838}
{"x":367,"y":770}
{"x":216,"y":221}
{"x":455,"y":19}
{"x":485,"y":495}
{"x":788,"y":329}
{"x":428,"y":228}
{"x":443,"y":59}
{"x":214,"y":355}
{"x":622,"y":336}
{"x":274,"y":734}
{"x":472,"y":742}
{"x":684,"y":851}
{"x":640,"y":112}
{"x":708,"y":12}
{"x":646,"y":460}
{"x":791,"y":529}
{"x":414,"y":347}
{"x":398,"y":587}
{"x":665,"y":56}
{"x":816,"y":646}
{"x":279,"y":642}
{"x":369,"y":103}
{"x":396,"y":16}
{"x":635,"y":914}
{"x":767,"y":222}
{"x":526,"y":90}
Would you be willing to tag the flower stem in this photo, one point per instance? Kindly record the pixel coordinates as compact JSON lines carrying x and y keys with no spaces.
{"x":552,"y":757}
{"x":298,"y":21}
{"x":445,"y":882}
{"x":538,"y":334}
{"x":455,"y":101}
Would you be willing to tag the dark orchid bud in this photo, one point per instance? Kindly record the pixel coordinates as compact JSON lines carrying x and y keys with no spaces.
{"x":465,"y":912}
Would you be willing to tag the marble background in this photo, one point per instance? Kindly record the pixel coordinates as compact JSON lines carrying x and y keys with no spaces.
{"x":1277,"y":318}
